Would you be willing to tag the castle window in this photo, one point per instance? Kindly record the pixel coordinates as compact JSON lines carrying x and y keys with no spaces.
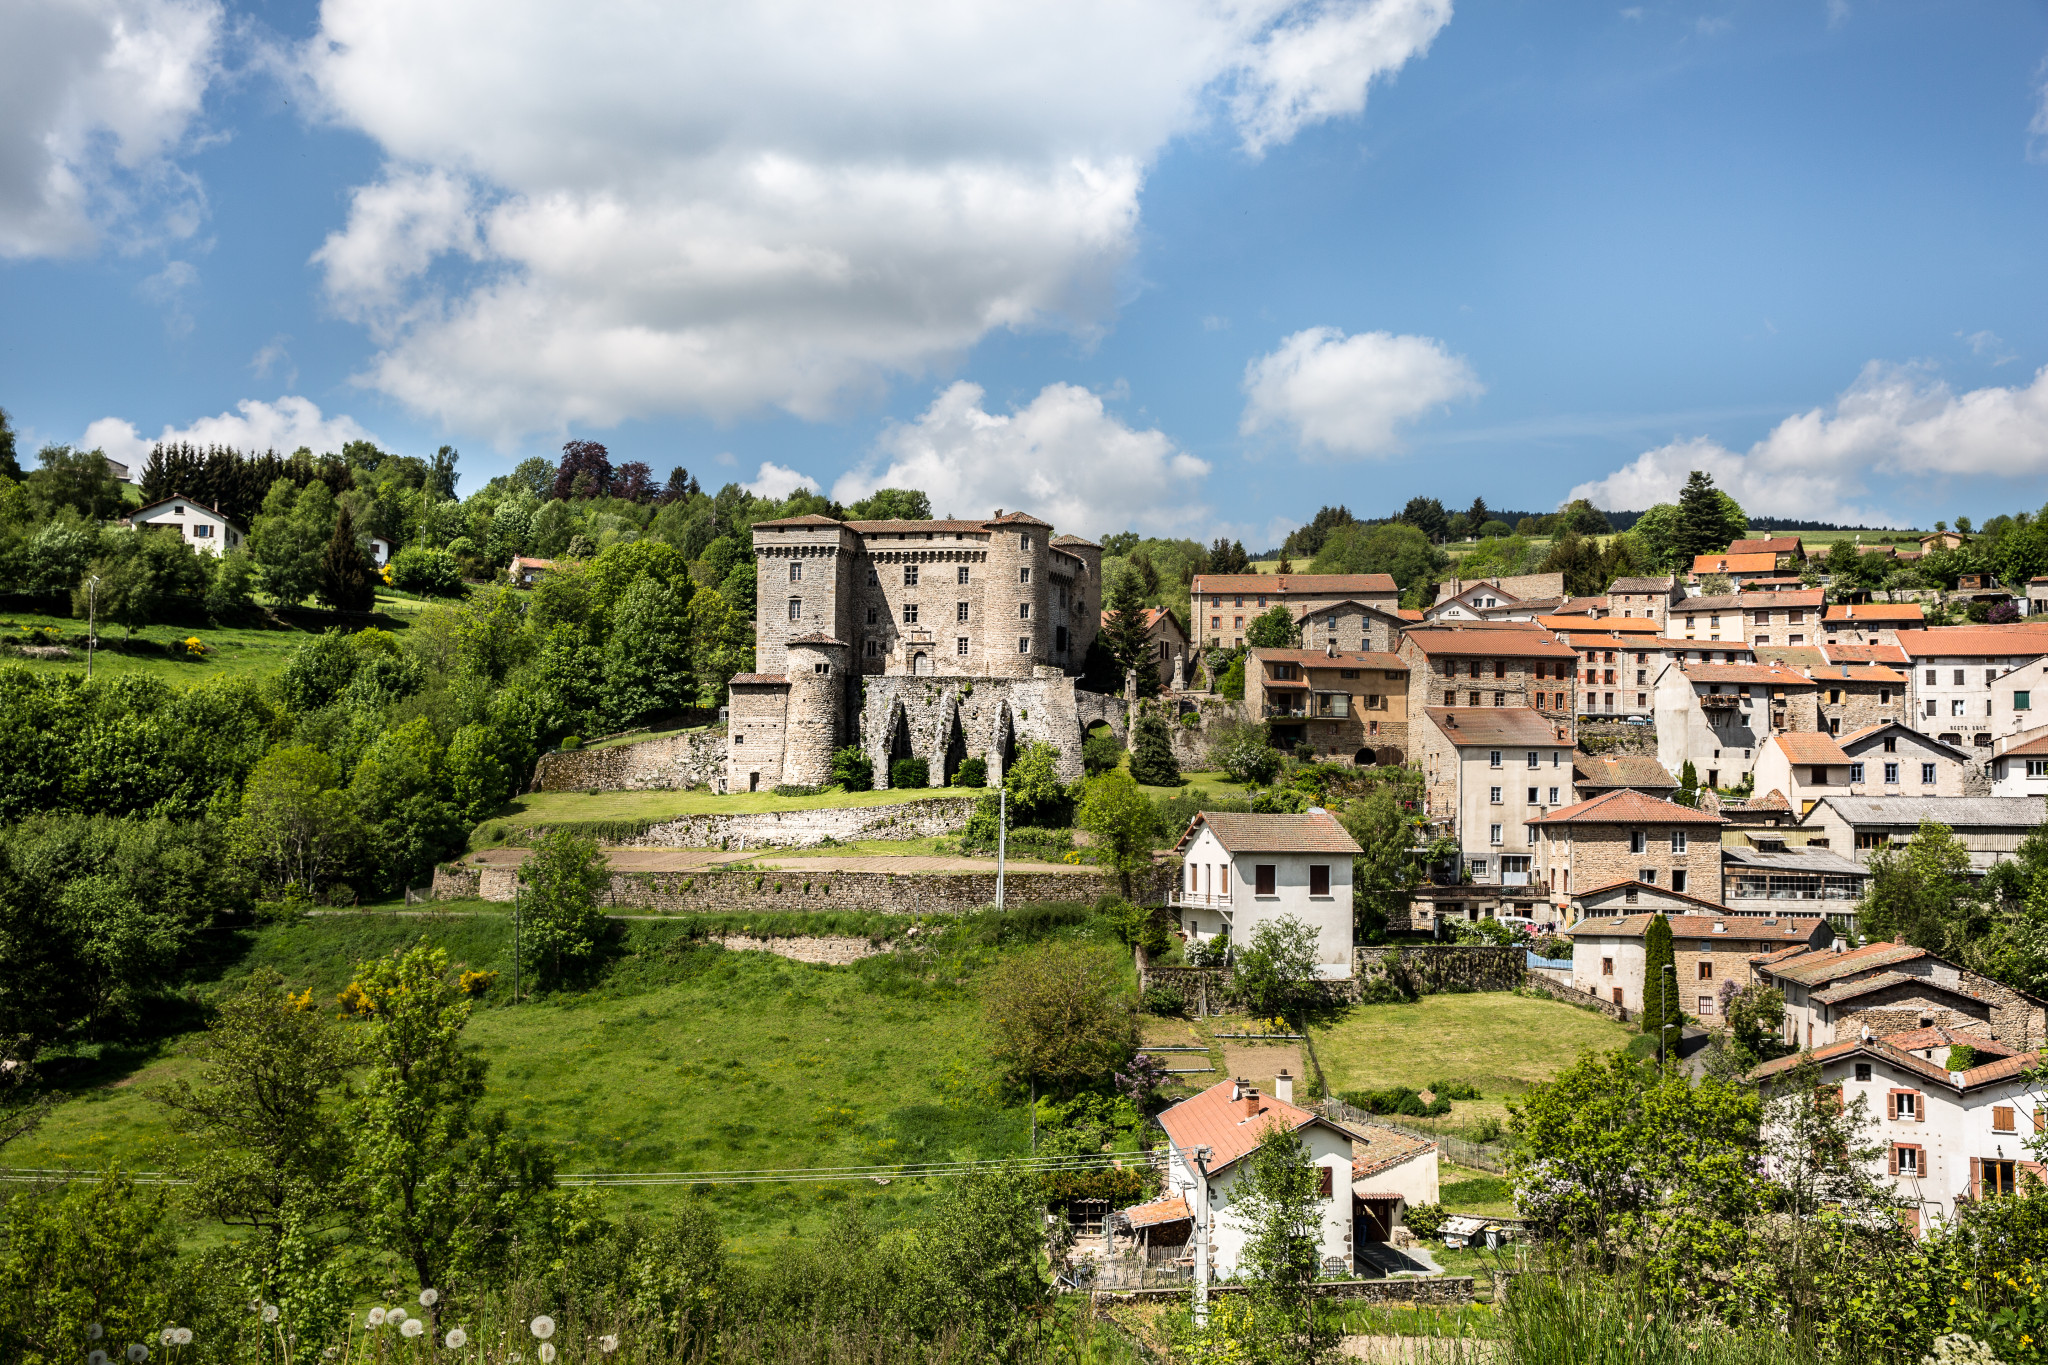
{"x":1024,"y":544}
{"x":959,"y":611}
{"x":1059,"y":640}
{"x":963,"y":573}
{"x":910,"y":613}
{"x":960,"y":645}
{"x":910,"y":575}
{"x":796,"y":571}
{"x":873,"y":615}
{"x":1023,"y":644}
{"x":874,"y":581}
{"x":1024,"y":611}
{"x":872,"y":650}
{"x":796,"y":608}
{"x":821,"y":669}
{"x":1024,"y":574}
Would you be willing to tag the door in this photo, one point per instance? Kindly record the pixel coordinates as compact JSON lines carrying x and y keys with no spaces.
{"x":921,"y":663}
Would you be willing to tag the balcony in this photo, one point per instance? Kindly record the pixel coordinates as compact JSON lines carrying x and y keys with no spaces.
{"x":1198,"y":900}
{"x":1271,"y":712}
{"x":1720,"y":702}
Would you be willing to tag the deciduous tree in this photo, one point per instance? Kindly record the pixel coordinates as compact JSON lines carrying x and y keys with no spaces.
{"x":561,"y":924}
{"x":1278,"y":1201}
{"x":1278,"y":969}
{"x":1122,"y":821}
{"x":1061,"y":1016}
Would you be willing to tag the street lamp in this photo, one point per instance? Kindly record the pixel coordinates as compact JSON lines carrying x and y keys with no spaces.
{"x":1666,"y":978}
{"x":92,"y":611}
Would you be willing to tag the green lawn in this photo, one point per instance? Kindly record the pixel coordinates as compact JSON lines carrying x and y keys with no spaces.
{"x":1208,"y":783}
{"x":679,"y":1058}
{"x":1482,"y":1193}
{"x":548,"y":808}
{"x":1497,"y":1041}
{"x":253,"y":650}
{"x":643,"y":736}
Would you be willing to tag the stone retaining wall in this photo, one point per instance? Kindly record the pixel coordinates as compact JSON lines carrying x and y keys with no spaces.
{"x":831,"y":950}
{"x":1433,"y":970}
{"x":1556,"y":990}
{"x":811,"y":828}
{"x":895,"y":893}
{"x":682,"y":762}
{"x":1433,"y":1289}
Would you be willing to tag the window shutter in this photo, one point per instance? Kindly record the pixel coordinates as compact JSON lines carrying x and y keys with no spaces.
{"x":1895,"y":1158}
{"x":1324,"y":1183}
{"x":1976,"y":1177}
{"x":2041,"y":1120}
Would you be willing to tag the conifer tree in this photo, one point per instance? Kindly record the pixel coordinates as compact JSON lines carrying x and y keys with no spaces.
{"x":1152,"y":761}
{"x":1660,"y":988}
{"x":1125,"y":633}
{"x":347,"y":583}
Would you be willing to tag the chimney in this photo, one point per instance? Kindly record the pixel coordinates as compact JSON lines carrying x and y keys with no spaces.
{"x":1283,"y":1087}
{"x":998,"y":516}
{"x":1248,"y":1098}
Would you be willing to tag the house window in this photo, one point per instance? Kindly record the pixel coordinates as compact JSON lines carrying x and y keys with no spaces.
{"x":871,"y":650}
{"x":1927,"y":773}
{"x":1905,"y":1105}
{"x":910,"y":575}
{"x":960,"y":645}
{"x":2037,"y":767}
{"x":1493,"y":758}
{"x":1706,"y":1006}
{"x":1262,"y":879}
{"x":1855,"y":772}
{"x":796,"y":608}
{"x":1678,"y":879}
{"x":1450,"y":698}
{"x":1706,"y":970}
{"x":1678,"y":841}
{"x":1891,"y":774}
{"x":1023,"y":644}
{"x":963,"y":574}
{"x":1959,"y":677}
{"x":1473,"y":699}
{"x":2023,"y":701}
{"x":910,"y":613}
{"x":1607,"y":966}
{"x":1493,"y":835}
{"x":1905,"y":1159}
{"x":1997,"y":1178}
{"x":1955,"y":708}
{"x":1532,"y":758}
{"x":1495,"y":798}
{"x":1637,"y":841}
{"x":1319,"y":879}
{"x":1553,"y":797}
{"x":1024,"y":575}
{"x":1647,"y":876}
{"x":1500,"y":699}
{"x":1324,"y":1183}
{"x":201,"y":531}
{"x":796,"y":571}
{"x":1863,"y":1071}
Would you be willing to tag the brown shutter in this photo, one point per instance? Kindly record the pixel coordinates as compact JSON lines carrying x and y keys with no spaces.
{"x":1894,"y":1152}
{"x":1976,"y":1177}
{"x":1324,"y":1182}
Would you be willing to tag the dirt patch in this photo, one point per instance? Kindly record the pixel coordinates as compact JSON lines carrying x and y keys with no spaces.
{"x":1259,"y":1063}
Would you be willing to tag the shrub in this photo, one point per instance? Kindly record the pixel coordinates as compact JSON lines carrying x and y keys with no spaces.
{"x":972,"y":772}
{"x":906,"y":773}
{"x":1164,"y":1000}
{"x":851,"y":769}
{"x":1240,"y":748}
{"x":1487,"y":1129}
{"x":572,"y":742}
{"x":1152,"y":762}
{"x":1424,"y":1220}
{"x":1454,"y":1090}
{"x":431,"y":573}
{"x":1399,"y":1100}
{"x":1100,"y":751}
{"x":797,"y":789}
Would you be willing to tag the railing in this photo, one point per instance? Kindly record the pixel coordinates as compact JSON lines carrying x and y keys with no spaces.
{"x":1714,"y":701}
{"x":1514,"y":879}
{"x":1202,"y":900}
{"x":1269,"y":710}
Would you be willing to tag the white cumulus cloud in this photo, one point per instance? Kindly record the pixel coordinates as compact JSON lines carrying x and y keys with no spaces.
{"x":1350,"y":396}
{"x":781,"y":205}
{"x":97,"y":99}
{"x":254,"y":427}
{"x":775,"y":481}
{"x":1895,"y":421}
{"x":1062,"y":457}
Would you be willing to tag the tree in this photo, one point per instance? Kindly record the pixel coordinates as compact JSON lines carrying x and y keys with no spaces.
{"x":1061,"y":1016}
{"x":633,"y":481}
{"x":1122,"y":821}
{"x":680,"y":486}
{"x":137,"y":574}
{"x":1920,"y":893}
{"x":298,"y":827}
{"x":1126,"y":633}
{"x":1244,"y":750}
{"x":442,"y":1187}
{"x":721,"y":643}
{"x":1579,"y":560}
{"x":347,"y":580}
{"x":1276,"y":972}
{"x":1152,"y":760}
{"x":430,"y":573}
{"x":1228,"y":556}
{"x":441,"y":472}
{"x":1580,"y":517}
{"x":1309,"y":539}
{"x":287,"y":537}
{"x":891,"y":504}
{"x":1660,"y":988}
{"x":10,"y":462}
{"x":1819,"y":1152}
{"x":1271,"y":629}
{"x":1384,"y":874}
{"x":1708,"y":519}
{"x":1656,"y":530}
{"x":100,"y":1251}
{"x":1688,"y":793}
{"x":559,"y":919}
{"x":1478,"y":515}
{"x":647,"y":657}
{"x":1755,"y":1015}
{"x":1278,"y":1202}
{"x":1389,"y":548}
{"x":981,"y":1265}
{"x":78,"y":479}
{"x":1427,"y":516}
{"x":477,"y":780}
{"x":585,"y":471}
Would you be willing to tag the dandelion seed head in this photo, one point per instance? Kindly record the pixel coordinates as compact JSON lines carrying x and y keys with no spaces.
{"x":547,"y":1353}
{"x":93,"y":1331}
{"x":394,"y":1316}
{"x":137,"y":1352}
{"x":270,"y":1312}
{"x":413,"y":1327}
{"x":429,"y":1297}
{"x":542,"y":1327}
{"x":456,"y":1339}
{"x":376,"y":1317}
{"x":97,"y":1358}
{"x":169,"y":1336}
{"x":182,"y":1337}
{"x":608,"y":1344}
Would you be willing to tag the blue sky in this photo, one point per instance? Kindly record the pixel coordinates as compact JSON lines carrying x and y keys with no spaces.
{"x":1192,"y":269}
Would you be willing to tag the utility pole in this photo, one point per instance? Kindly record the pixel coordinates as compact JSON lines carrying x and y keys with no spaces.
{"x":1200,"y":1161}
{"x":1665,"y":979}
{"x":92,"y":616}
{"x":1002,"y":838}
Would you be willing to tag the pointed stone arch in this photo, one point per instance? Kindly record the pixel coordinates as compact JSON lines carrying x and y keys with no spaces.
{"x":892,"y":743}
{"x":952,"y":746}
{"x":1002,"y":744}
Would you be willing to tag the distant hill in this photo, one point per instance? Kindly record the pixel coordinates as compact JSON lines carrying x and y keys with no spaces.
{"x":1622,"y":521}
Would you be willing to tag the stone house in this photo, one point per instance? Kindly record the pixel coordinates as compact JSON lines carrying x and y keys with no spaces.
{"x":200,"y":526}
{"x":1480,"y":666}
{"x":2037,"y":596}
{"x":1649,"y":598}
{"x":1241,"y":871}
{"x":1208,"y":1137}
{"x":1835,"y":994}
{"x":1168,"y":646}
{"x":1990,"y":827}
{"x":1391,"y":1172}
{"x":1872,"y":623}
{"x":1347,"y":707}
{"x":1627,"y":836}
{"x":1485,"y":601}
{"x":1355,"y":626}
{"x":2021,"y":767}
{"x":1785,"y":550}
{"x":1854,"y":697}
{"x":1954,"y":678}
{"x":1486,"y":773}
{"x":1613,"y":673}
{"x":1947,"y":1136}
{"x":1708,"y":952}
{"x":1512,"y":588}
{"x":1718,"y":715}
{"x":524,"y":572}
{"x":1223,"y":604}
{"x":1738,"y":569}
{"x":1597,"y":774}
{"x":1759,"y":619}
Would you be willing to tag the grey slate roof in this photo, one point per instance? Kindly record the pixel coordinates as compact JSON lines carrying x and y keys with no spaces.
{"x":1795,"y":860}
{"x":2015,"y":812}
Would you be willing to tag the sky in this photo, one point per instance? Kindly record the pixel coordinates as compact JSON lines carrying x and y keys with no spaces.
{"x":1188,"y":267}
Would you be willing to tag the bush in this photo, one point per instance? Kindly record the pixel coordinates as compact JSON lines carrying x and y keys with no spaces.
{"x":431,"y":573}
{"x":972,"y":772}
{"x":906,"y":773}
{"x":1152,"y":762}
{"x":851,"y":769}
{"x":571,"y":742}
{"x":796,"y":789}
{"x":1424,"y":1220}
{"x":1240,"y":748}
{"x":1399,"y":1099}
{"x":1453,"y":1090}
{"x":1164,"y":1000}
{"x":1100,"y":751}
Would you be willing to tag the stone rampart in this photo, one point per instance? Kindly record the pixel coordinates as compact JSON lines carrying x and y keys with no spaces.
{"x":895,"y":893}
{"x":830,"y":950}
{"x":941,"y":718}
{"x":810,"y":828}
{"x":695,"y":758}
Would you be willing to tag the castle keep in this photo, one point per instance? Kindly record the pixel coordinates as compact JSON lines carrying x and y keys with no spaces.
{"x":943,"y":640}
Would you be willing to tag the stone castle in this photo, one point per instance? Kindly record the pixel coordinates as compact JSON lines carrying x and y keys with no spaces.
{"x":940,"y":640}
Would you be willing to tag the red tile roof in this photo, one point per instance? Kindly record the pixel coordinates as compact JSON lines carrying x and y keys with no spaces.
{"x":1408,"y":613}
{"x":1808,"y":746}
{"x":1295,"y":584}
{"x":1937,"y":1036}
{"x":1507,"y":726}
{"x":807,"y":519}
{"x":1981,"y":641}
{"x":2028,"y":749}
{"x":1500,"y":640}
{"x":1159,"y":1211}
{"x":1730,"y":563}
{"x":1312,"y":832}
{"x":1991,"y":1073}
{"x":1231,"y":1128}
{"x":1875,"y":612}
{"x":1754,"y":675}
{"x":1766,"y":545}
{"x":1627,"y":806}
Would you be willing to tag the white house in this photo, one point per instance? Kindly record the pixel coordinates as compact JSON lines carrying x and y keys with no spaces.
{"x":1391,"y":1172}
{"x":380,"y":551}
{"x":204,"y":529}
{"x":1208,"y":1138}
{"x":2021,"y":767}
{"x":1240,"y":871}
{"x":1706,"y":951}
{"x":1947,"y":1135}
{"x":1955,"y":673}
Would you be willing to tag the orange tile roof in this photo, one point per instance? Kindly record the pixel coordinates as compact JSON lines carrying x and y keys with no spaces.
{"x":1627,"y":806}
{"x":1507,"y":726}
{"x":1816,"y":968}
{"x":1231,"y":1129}
{"x":1733,"y":927}
{"x":1936,"y":1036}
{"x":1752,"y":674}
{"x":1719,"y":910}
{"x":1409,"y":613}
{"x":1855,"y":613}
{"x":1985,"y":641}
{"x":1767,"y":545}
{"x":2029,"y":749}
{"x":1152,"y":1215}
{"x":1505,"y":640}
{"x":1730,"y":563}
{"x":1316,"y":658}
{"x":1808,"y":746}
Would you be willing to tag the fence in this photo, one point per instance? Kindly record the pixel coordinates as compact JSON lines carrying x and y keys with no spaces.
{"x":1485,"y":1156}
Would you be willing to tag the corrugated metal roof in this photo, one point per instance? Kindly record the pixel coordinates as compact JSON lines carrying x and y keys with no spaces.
{"x":1310,"y":832}
{"x":2000,"y":812}
{"x":1824,"y":860}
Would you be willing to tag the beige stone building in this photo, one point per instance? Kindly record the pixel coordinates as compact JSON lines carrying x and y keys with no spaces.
{"x":1350,"y":625}
{"x":1786,"y":551}
{"x":1627,"y":836}
{"x":1717,"y":716}
{"x":1758,"y":619}
{"x":1597,"y":774}
{"x":1646,"y":598}
{"x":1223,"y":605}
{"x":1707,"y":950}
{"x":1889,"y":988}
{"x":1872,"y":623}
{"x":1492,"y":666}
{"x":1346,"y":707}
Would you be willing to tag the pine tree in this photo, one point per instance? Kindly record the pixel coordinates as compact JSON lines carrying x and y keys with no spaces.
{"x":1126,"y":634}
{"x":347,"y":582}
{"x":1660,"y":988}
{"x":1152,"y":762}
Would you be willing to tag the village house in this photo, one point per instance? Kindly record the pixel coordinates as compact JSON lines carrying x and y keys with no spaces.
{"x":524,"y":572}
{"x":2021,"y":767}
{"x":1947,"y":1136}
{"x":1835,"y":994}
{"x":1786,"y":551}
{"x":1627,"y":836}
{"x":1879,"y":760}
{"x":1354,"y":626}
{"x":1485,"y":773}
{"x":1613,"y":673}
{"x":1223,"y":604}
{"x":1241,"y":871}
{"x":1710,"y":953}
{"x":1853,"y":697}
{"x":1597,"y":774}
{"x":1512,"y":588}
{"x":200,"y":526}
{"x":1990,"y":827}
{"x":1208,"y":1138}
{"x":1483,"y":601}
{"x":1767,"y":875}
{"x":1954,"y":675}
{"x":1788,"y":618}
{"x":1873,"y":623}
{"x":1942,"y":540}
{"x":1737,"y":569}
{"x":1647,"y":598}
{"x":2012,"y":701}
{"x":1391,"y":1172}
{"x":2037,"y":596}
{"x":1514,"y":666}
{"x":1345,"y":707}
{"x":1718,"y":715}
